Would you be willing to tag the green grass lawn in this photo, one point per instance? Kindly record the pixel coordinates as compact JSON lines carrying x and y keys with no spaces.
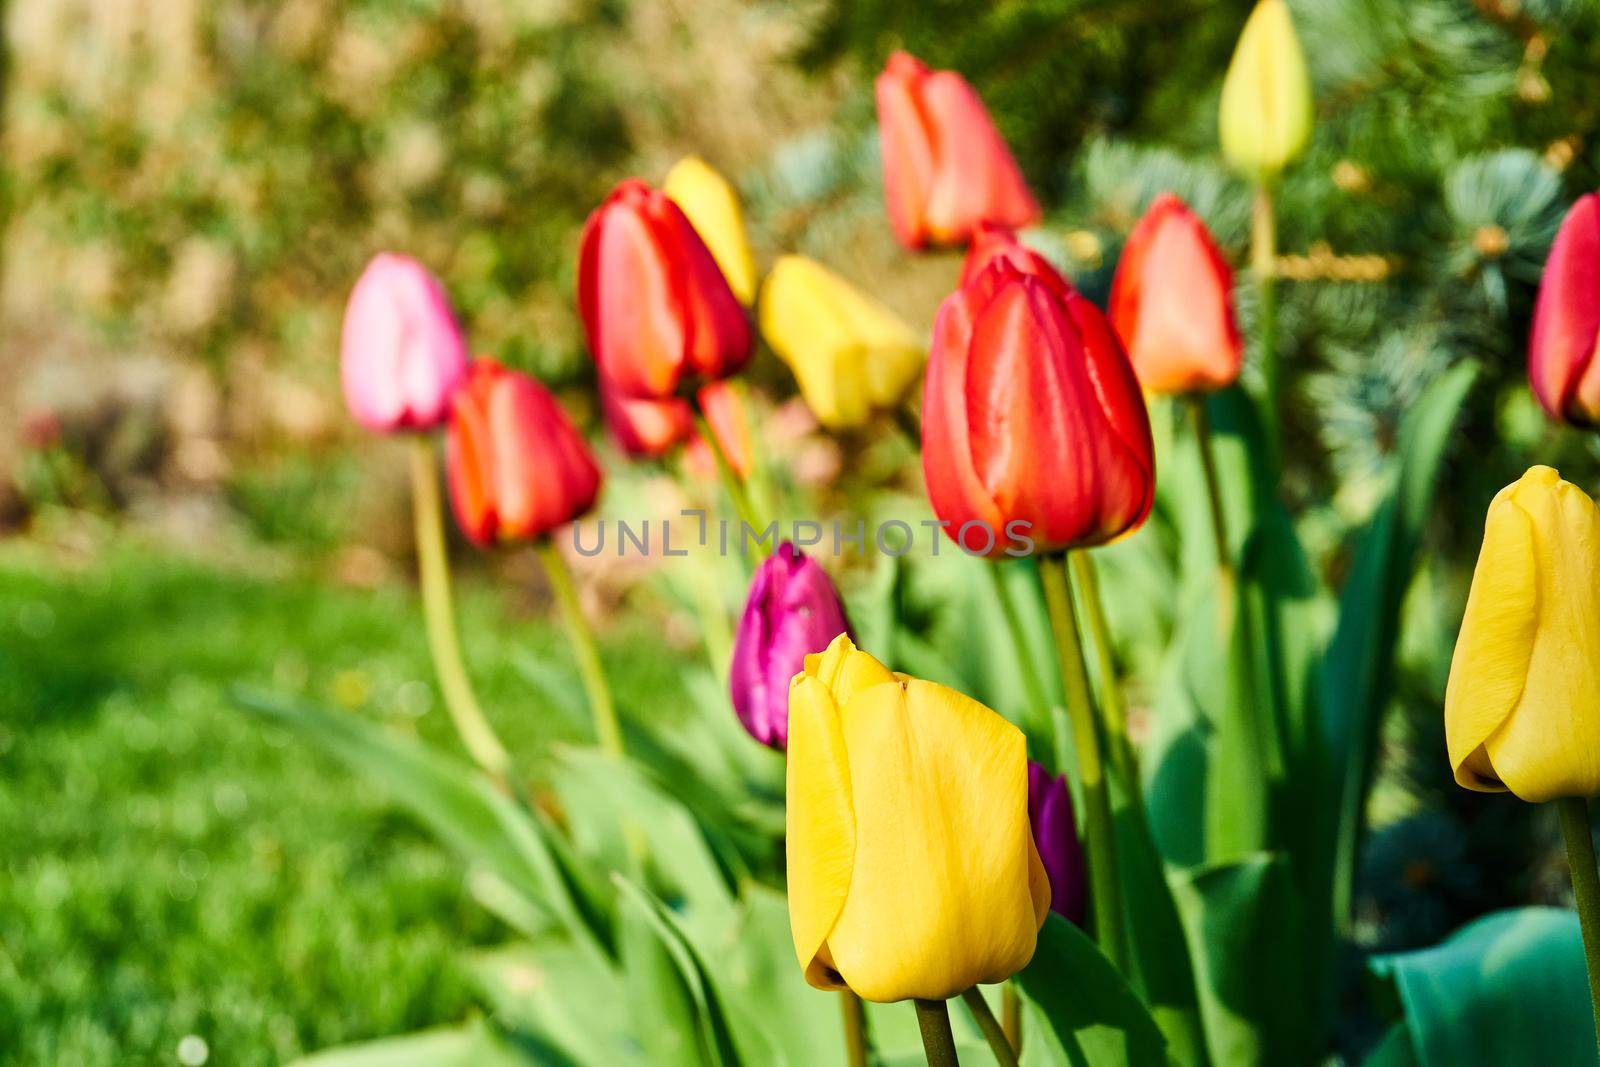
{"x":170,"y":866}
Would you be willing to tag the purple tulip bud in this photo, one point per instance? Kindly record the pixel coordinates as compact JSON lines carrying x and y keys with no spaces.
{"x":402,"y":353}
{"x":1055,"y":834}
{"x":793,"y":609}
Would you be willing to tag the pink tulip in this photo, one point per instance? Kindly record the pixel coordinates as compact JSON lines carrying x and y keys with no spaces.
{"x":402,"y":353}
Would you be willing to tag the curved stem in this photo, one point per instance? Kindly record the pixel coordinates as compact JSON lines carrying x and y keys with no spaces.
{"x":1585,"y":890}
{"x":855,"y":1028}
{"x":1004,"y":1054}
{"x":601,"y":706}
{"x":1113,"y":711}
{"x":737,"y":491}
{"x":938,"y":1043}
{"x":1038,"y":703}
{"x":1104,"y":893}
{"x":1264,"y":265}
{"x":433,"y":567}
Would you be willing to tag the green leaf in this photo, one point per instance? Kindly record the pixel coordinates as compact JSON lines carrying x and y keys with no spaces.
{"x":1090,"y":1012}
{"x":474,"y":1045}
{"x":1162,"y":968}
{"x":1508,"y":988}
{"x":1356,"y":674}
{"x":1244,"y":921}
{"x":573,"y":1004}
{"x":677,"y":1017}
{"x":461,"y":808}
{"x":606,"y":799}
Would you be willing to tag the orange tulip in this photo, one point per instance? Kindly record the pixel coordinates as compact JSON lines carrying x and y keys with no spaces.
{"x":1172,"y":303}
{"x":945,"y":166}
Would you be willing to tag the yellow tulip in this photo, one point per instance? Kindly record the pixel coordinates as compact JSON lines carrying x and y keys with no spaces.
{"x":1522,"y":709}
{"x":1265,"y":119}
{"x":912,"y":869}
{"x":713,"y":210}
{"x":850,"y":354}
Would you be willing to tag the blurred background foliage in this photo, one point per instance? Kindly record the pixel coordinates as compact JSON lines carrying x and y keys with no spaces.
{"x":191,"y":186}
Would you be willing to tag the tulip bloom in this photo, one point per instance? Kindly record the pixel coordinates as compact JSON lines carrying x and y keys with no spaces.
{"x":1031,"y":415}
{"x":850,"y":354}
{"x":792,"y":611}
{"x":1522,"y":707}
{"x":1566,"y":320}
{"x":1265,"y":118}
{"x":713,"y":209}
{"x":912,"y":871}
{"x":945,"y":166}
{"x":992,"y":241}
{"x":645,"y":427}
{"x":516,"y":465}
{"x":1055,"y":835}
{"x":1172,"y":303}
{"x":658,"y":314}
{"x":401,"y":352}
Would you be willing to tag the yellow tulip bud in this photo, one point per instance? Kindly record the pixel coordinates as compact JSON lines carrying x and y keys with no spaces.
{"x":850,"y":354}
{"x":1522,"y":709}
{"x":912,"y":869}
{"x":1266,"y":95}
{"x":713,"y":209}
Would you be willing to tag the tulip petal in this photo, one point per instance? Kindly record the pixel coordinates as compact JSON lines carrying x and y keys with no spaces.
{"x":907,"y":147}
{"x":712,"y":207}
{"x":946,"y":890}
{"x":820,"y":830}
{"x":1490,"y":665}
{"x":1549,"y":746}
{"x":1566,"y":320}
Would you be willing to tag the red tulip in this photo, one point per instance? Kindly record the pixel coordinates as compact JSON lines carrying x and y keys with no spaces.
{"x":992,"y":241}
{"x":653,"y":427}
{"x":1032,"y":414}
{"x":1172,"y":303}
{"x":945,"y":166}
{"x":1566,"y":320}
{"x":516,"y":465}
{"x":659,"y":316}
{"x":644,"y":427}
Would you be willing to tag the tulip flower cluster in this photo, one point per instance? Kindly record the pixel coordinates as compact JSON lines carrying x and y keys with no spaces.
{"x":923,"y":850}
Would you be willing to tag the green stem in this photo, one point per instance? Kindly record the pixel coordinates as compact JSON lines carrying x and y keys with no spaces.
{"x":1264,"y":266}
{"x":993,"y":1032}
{"x":1113,"y":711}
{"x":1585,"y":890}
{"x":736,"y":489}
{"x":601,"y":707}
{"x":1249,"y":749}
{"x":433,"y":567}
{"x":1011,"y":1016}
{"x":1039,"y":704}
{"x":1105,"y":897}
{"x":1208,"y":467}
{"x":855,"y":1028}
{"x":938,"y":1043}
